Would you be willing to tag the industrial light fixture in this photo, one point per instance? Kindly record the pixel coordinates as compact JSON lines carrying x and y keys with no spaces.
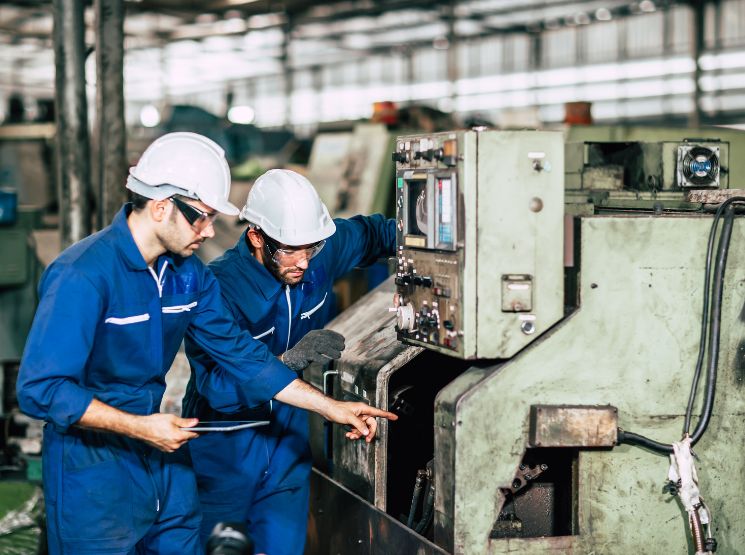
{"x":603,"y":14}
{"x":241,"y":115}
{"x":149,"y":116}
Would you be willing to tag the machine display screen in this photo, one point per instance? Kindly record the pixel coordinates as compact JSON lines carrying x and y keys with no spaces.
{"x":417,"y":218}
{"x":445,"y":213}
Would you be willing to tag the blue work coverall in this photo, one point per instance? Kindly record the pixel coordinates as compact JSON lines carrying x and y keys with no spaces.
{"x":262,"y":475}
{"x":108,"y":327}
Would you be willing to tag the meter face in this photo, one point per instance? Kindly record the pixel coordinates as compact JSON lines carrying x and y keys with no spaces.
{"x":417,"y":216}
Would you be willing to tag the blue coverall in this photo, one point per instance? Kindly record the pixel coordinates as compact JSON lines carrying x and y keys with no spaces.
{"x":262,"y":475}
{"x":108,"y":327}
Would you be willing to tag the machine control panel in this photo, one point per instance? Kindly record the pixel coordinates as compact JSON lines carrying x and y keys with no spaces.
{"x":472,"y":209}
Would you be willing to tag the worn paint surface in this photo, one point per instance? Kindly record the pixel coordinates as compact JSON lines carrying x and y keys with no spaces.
{"x":632,"y":344}
{"x":573,"y":426}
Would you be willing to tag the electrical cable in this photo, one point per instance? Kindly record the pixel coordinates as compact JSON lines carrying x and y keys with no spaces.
{"x":418,"y":487}
{"x":710,"y":326}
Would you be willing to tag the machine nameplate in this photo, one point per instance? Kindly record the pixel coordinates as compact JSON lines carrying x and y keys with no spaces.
{"x":573,"y":426}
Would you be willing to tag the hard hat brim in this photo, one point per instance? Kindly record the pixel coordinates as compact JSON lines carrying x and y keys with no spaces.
{"x":162,"y":191}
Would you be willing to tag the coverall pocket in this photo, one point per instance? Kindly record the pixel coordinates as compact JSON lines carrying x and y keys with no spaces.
{"x":95,"y":503}
{"x":127,"y":329}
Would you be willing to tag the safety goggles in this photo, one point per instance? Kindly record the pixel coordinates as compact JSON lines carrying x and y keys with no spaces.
{"x":198,"y":219}
{"x":284,"y":256}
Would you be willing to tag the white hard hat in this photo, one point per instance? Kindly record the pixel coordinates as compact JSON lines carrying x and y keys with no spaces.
{"x":288,"y":209}
{"x":184,"y":164}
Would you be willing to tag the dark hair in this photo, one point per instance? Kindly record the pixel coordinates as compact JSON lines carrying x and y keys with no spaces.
{"x":138,"y":201}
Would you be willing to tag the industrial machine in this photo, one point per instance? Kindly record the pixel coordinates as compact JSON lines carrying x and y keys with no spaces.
{"x":560,"y":312}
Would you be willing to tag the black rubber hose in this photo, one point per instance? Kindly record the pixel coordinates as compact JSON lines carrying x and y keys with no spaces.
{"x":704,"y":322}
{"x":418,"y":486}
{"x":714,"y":325}
{"x":427,"y":510}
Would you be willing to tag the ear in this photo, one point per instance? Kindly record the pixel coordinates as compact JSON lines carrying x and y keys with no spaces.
{"x":255,"y":238}
{"x":160,"y":209}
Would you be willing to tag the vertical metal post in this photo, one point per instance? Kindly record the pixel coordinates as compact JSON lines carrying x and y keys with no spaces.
{"x":287,"y":71}
{"x":73,"y":149}
{"x":111,"y":131}
{"x":452,"y":58}
{"x":698,"y":7}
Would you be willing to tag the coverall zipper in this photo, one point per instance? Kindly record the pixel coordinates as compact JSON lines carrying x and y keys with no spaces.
{"x":146,"y":462}
{"x":289,"y":316}
{"x":158,"y":279}
{"x":159,"y":282}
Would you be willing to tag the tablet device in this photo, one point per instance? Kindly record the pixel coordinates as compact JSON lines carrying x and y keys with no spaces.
{"x":225,"y":425}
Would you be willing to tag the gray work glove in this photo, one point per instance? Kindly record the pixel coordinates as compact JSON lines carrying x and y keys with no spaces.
{"x":315,"y":346}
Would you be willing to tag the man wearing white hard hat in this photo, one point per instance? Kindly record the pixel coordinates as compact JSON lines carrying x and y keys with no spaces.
{"x":113,"y":311}
{"x":277,"y":281}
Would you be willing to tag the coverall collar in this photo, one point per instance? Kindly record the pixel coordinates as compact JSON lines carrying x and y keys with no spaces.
{"x":128,"y":248}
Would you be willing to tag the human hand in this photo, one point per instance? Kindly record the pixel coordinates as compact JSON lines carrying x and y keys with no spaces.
{"x":361,"y":416}
{"x":315,"y":346}
{"x":164,"y":431}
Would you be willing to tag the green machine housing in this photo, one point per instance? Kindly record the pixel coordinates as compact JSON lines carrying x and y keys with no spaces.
{"x":507,"y":438}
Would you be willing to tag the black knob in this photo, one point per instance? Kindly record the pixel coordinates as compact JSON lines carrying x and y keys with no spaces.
{"x":401,"y":157}
{"x":418,"y":155}
{"x":427,"y":281}
{"x":439,"y":154}
{"x":417,"y":280}
{"x":428,"y":155}
{"x":406,"y":278}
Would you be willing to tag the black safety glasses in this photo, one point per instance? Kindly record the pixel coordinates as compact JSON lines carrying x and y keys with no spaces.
{"x":198,"y":219}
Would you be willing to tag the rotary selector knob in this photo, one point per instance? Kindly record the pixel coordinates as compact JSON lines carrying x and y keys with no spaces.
{"x":405,"y":319}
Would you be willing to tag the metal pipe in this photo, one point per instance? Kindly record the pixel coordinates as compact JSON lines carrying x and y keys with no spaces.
{"x":110,"y":128}
{"x":287,"y":70}
{"x":73,"y":150}
{"x":699,"y":12}
{"x":696,"y":531}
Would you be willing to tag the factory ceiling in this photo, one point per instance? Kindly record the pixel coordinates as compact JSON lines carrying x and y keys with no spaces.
{"x":250,"y":38}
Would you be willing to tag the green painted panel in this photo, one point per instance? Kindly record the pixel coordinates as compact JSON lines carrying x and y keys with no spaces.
{"x":632,"y":344}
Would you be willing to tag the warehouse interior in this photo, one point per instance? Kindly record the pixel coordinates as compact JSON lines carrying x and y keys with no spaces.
{"x":565,"y":182}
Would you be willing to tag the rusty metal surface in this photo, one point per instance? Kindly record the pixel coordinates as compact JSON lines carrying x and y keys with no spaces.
{"x":372,"y":355}
{"x":341,"y":522}
{"x":609,"y":177}
{"x":573,"y":426}
{"x":714,"y":196}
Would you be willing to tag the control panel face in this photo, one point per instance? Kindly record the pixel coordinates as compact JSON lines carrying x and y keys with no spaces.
{"x":480,"y":239}
{"x":430,"y":257}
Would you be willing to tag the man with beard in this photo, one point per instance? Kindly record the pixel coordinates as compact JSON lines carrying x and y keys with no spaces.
{"x":113,"y":311}
{"x":277,"y":281}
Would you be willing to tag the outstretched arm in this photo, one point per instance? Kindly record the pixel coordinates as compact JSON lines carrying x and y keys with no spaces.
{"x":360,"y":415}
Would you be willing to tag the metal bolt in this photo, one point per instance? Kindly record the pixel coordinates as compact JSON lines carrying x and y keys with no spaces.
{"x":544,"y":467}
{"x":527,"y":327}
{"x":516,"y":484}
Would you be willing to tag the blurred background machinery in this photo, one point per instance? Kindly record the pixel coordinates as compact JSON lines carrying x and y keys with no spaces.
{"x":548,"y":298}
